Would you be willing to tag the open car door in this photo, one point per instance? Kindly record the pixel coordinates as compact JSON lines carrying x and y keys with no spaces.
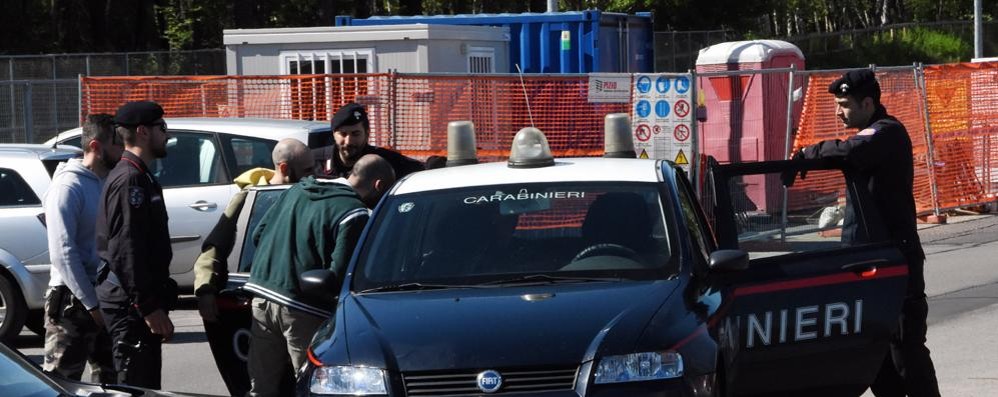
{"x":229,"y":338}
{"x":812,"y":312}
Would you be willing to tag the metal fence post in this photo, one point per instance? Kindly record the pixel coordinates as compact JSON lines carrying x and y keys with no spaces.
{"x":788,"y":145}
{"x":29,"y":133}
{"x":79,"y":97}
{"x":393,"y":104}
{"x":930,"y":148}
{"x":55,"y":94}
{"x":13,"y":106}
{"x":695,"y":131}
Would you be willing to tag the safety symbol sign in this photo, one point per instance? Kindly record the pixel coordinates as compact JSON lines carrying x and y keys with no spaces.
{"x":643,"y":155}
{"x":682,"y":84}
{"x":643,"y":108}
{"x":644,"y":84}
{"x":643,"y":132}
{"x":662,"y":108}
{"x":682,"y":132}
{"x":681,"y":158}
{"x":657,"y":128}
{"x":662,"y":84}
{"x":682,"y":108}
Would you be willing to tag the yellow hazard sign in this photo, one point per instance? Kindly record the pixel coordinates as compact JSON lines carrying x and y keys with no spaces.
{"x":643,"y":155}
{"x":681,"y":158}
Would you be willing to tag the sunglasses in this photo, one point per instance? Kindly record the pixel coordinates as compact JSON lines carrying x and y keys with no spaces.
{"x":159,"y":124}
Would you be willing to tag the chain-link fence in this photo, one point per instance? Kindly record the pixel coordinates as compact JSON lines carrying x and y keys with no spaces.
{"x":69,"y":66}
{"x":39,"y":94}
{"x":32,"y":111}
{"x":677,"y":51}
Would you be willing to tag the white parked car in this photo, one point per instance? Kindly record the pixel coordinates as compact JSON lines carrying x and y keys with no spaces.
{"x":25,"y":174}
{"x":204,"y":155}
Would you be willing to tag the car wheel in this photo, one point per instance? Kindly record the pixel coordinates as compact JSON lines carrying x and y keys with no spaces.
{"x":12,"y":310}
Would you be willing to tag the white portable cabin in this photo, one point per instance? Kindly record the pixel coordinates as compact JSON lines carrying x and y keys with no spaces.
{"x":415,"y":48}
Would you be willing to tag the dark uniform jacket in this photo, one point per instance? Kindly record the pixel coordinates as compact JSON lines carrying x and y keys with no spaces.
{"x":329,"y":165}
{"x":881,"y":159}
{"x":134,"y":239}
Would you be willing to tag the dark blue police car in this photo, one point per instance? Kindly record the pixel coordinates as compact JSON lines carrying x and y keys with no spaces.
{"x":607,"y":277}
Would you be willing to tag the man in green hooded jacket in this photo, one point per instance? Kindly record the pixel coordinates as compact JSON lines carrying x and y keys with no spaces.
{"x":315,"y":224}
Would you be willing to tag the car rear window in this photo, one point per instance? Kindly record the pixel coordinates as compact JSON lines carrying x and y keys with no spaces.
{"x":482,"y":234}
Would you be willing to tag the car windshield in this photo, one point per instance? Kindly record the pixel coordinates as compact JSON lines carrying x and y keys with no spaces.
{"x":508,"y":234}
{"x":18,"y":378}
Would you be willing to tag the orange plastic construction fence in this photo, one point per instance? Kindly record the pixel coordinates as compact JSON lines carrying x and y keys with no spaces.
{"x":408,"y":112}
{"x":902,"y":97}
{"x":963,"y":113}
{"x":300,"y":97}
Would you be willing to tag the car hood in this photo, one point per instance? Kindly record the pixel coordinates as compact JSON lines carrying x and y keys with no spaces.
{"x":499,"y":327}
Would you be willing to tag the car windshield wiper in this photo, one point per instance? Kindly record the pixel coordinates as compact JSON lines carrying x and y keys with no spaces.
{"x":547,"y":279}
{"x":413,"y":287}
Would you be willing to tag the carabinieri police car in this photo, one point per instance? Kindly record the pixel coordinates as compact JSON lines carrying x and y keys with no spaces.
{"x":603,"y":277}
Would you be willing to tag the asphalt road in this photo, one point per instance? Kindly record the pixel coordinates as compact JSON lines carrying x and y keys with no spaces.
{"x":961,"y":282}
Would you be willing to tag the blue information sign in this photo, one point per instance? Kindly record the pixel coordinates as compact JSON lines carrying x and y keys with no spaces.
{"x":682,"y":84}
{"x":662,"y":84}
{"x":643,"y":108}
{"x":643,"y":84}
{"x":662,"y":108}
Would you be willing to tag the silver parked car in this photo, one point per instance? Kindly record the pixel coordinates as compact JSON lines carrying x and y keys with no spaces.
{"x":204,"y":155}
{"x":25,"y":174}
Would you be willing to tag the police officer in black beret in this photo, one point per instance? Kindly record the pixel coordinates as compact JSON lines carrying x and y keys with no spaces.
{"x":881,"y":158}
{"x":134,"y":285}
{"x":351,"y":130}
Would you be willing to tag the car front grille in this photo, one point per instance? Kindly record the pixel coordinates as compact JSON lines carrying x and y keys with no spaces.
{"x":514,"y":380}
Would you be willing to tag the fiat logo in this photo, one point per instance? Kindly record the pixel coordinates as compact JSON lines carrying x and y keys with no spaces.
{"x":489,"y":381}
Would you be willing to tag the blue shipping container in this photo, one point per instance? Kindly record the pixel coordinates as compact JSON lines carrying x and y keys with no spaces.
{"x":560,"y":42}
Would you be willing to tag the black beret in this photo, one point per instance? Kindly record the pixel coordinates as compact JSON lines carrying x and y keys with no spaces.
{"x":349,"y":114}
{"x":856,"y":83}
{"x":138,"y":113}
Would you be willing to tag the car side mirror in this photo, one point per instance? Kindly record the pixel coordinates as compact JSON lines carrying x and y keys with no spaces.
{"x":320,"y":284}
{"x":725,"y":261}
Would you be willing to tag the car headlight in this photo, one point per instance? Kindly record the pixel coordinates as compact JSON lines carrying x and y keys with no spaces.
{"x":357,"y":381}
{"x":639,"y":366}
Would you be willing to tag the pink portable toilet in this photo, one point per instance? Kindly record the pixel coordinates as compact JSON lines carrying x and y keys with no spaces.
{"x":747,"y":113}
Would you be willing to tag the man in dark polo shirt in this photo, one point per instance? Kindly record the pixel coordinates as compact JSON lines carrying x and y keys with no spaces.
{"x":351,"y":130}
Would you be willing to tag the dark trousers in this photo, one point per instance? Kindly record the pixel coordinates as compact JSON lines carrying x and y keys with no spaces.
{"x":138,"y":353}
{"x":907,"y":370}
{"x":72,"y":339}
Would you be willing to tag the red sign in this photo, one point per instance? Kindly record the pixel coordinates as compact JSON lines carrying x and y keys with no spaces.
{"x":682,"y":108}
{"x":682,"y":132}
{"x":643,"y":132}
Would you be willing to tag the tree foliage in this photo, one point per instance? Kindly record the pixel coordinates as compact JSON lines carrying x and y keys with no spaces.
{"x":57,"y":26}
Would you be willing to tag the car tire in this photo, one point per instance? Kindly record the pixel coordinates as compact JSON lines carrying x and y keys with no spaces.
{"x":35,"y":321}
{"x":13,"y":310}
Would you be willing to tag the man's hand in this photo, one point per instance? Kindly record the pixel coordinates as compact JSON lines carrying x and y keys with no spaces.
{"x":207,"y":307}
{"x":159,"y":323}
{"x":98,"y":318}
{"x":789,"y":176}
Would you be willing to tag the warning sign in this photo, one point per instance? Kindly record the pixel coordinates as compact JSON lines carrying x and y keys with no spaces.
{"x":682,"y":108}
{"x":643,"y":133}
{"x":681,"y":158}
{"x":681,"y":133}
{"x":662,"y":117}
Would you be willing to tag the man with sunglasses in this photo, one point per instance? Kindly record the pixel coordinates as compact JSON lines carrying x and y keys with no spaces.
{"x":133,"y":239}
